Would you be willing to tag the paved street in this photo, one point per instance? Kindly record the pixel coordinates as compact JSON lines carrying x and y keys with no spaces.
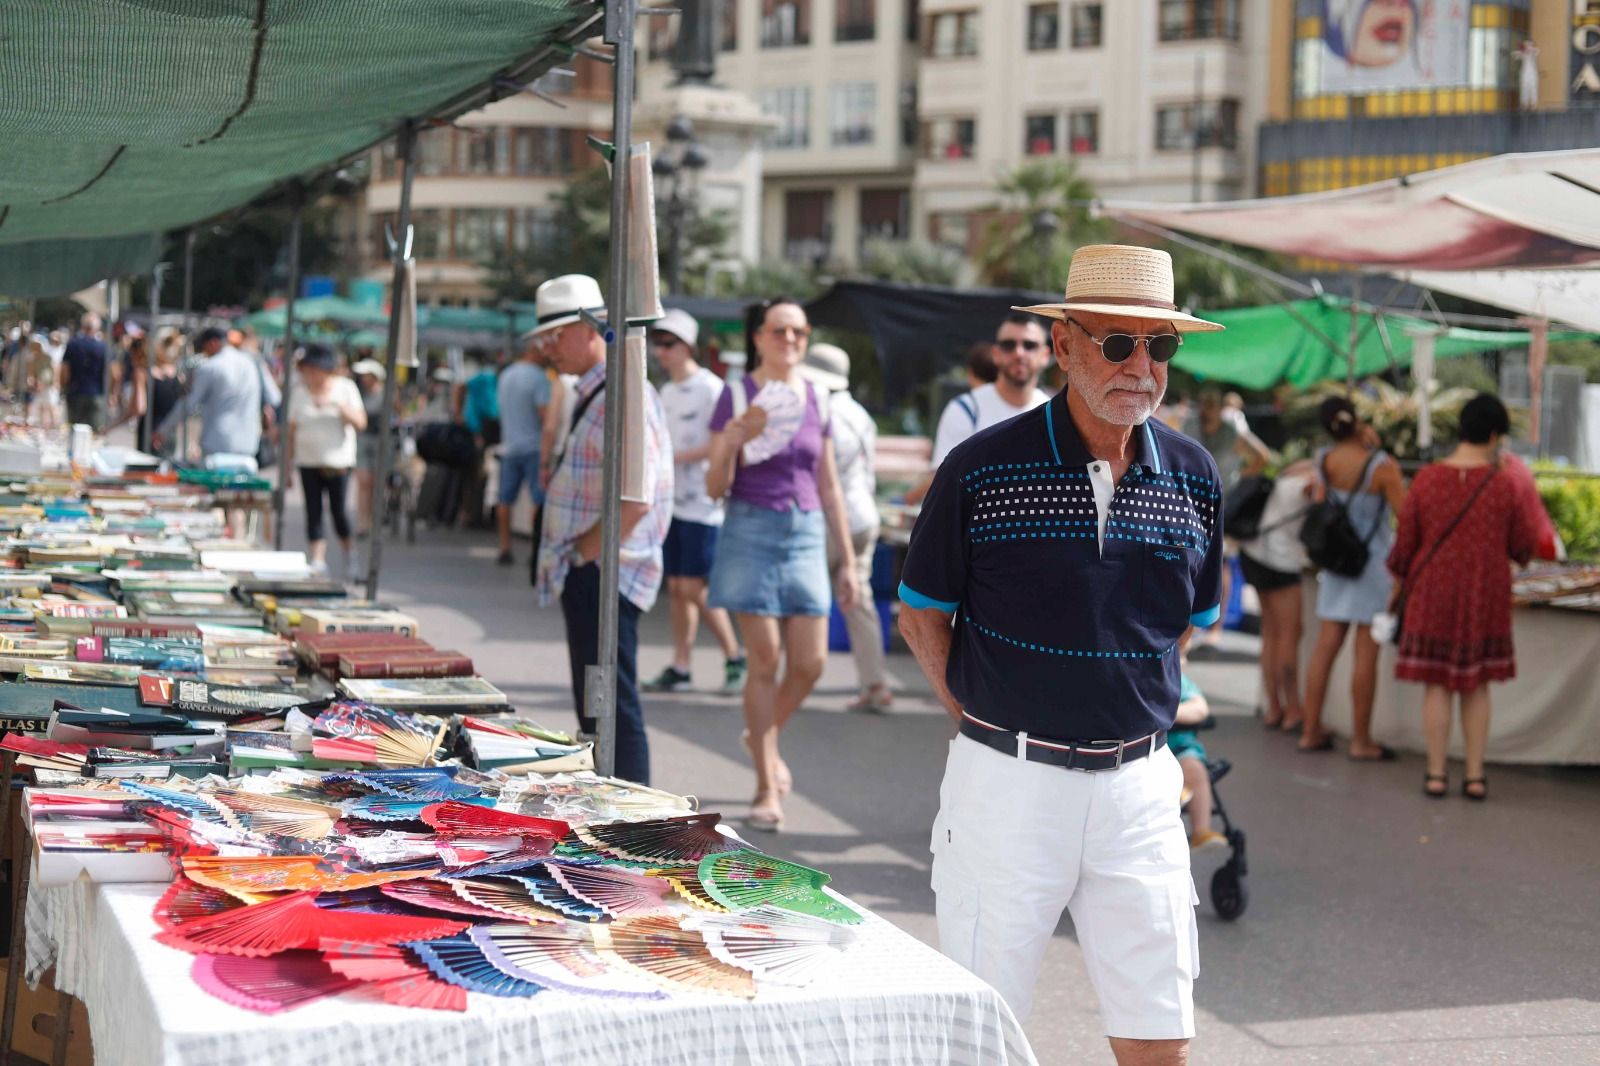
{"x":1382,"y":927}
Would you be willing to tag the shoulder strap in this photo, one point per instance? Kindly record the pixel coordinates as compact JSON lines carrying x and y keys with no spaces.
{"x":969,"y":403}
{"x":577,"y":415}
{"x":740,"y":400}
{"x":822,"y":398}
{"x":1411,"y":575}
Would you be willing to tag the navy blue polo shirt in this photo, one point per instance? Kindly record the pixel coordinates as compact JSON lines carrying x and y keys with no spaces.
{"x":1056,"y":634}
{"x":86,"y":360}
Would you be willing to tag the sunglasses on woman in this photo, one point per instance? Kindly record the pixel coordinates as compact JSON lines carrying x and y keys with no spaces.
{"x":1117,"y":347}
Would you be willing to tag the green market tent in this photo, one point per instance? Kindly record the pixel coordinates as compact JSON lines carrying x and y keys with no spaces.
{"x":327,"y":311}
{"x":123,"y":120}
{"x":1303,"y":342}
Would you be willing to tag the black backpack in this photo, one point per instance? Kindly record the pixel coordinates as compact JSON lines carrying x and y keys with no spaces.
{"x":1331,"y":540}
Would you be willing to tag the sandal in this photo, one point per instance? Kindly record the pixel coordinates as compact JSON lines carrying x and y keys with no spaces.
{"x":1325,"y":744}
{"x":1385,"y":754}
{"x":765,"y":817}
{"x":781,"y":777}
{"x":877,"y":698}
{"x":1443,"y":781}
{"x":1481,"y":794}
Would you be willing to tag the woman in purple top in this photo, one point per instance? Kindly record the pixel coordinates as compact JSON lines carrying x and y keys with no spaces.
{"x":771,"y":570}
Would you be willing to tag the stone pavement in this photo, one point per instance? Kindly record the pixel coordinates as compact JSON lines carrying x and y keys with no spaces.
{"x":1382,"y":927}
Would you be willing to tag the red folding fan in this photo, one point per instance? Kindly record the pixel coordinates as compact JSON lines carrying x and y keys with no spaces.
{"x":295,"y":921}
{"x":438,"y":896}
{"x":185,"y":901}
{"x":468,"y":820}
{"x":268,"y":985}
{"x":393,"y":976}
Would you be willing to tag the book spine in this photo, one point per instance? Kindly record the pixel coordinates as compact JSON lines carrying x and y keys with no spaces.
{"x":24,"y":724}
{"x":405,"y":666}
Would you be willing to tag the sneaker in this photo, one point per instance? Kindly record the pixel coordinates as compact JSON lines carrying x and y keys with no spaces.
{"x":1210,"y":840}
{"x":505,"y":559}
{"x":733,"y":677}
{"x":669,"y":680}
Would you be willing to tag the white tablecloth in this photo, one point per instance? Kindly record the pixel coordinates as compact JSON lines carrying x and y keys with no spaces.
{"x":891,"y":1001}
{"x":1549,"y":714}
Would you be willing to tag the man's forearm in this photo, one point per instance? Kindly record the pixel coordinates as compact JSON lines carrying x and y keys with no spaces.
{"x":927,"y":632}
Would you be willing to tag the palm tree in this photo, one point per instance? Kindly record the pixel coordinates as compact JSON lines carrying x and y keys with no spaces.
{"x":1043,"y":214}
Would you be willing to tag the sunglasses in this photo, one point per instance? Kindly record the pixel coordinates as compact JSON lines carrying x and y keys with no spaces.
{"x":1008,"y":346}
{"x":1117,"y":347}
{"x":662,"y":340}
{"x":802,"y":332}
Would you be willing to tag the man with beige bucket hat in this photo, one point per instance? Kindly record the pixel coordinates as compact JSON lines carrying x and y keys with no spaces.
{"x":1058,"y":559}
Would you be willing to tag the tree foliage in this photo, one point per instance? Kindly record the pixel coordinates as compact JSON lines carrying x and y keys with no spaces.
{"x":242,"y":260}
{"x":909,"y":261}
{"x":1041,"y":217}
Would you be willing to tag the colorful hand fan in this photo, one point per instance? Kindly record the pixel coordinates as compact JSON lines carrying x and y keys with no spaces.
{"x":192,"y":804}
{"x":390,"y":973}
{"x":422,"y":989}
{"x":664,"y":840}
{"x":438,"y":896}
{"x":559,"y":957}
{"x":531,"y":852}
{"x":512,"y":900}
{"x":430,"y":784}
{"x":685,"y":880}
{"x":617,"y":892}
{"x":459,"y":960}
{"x":384,"y":809}
{"x":295,"y":921}
{"x":774,"y":944}
{"x":268,"y":985}
{"x":552,"y":893}
{"x":186,"y":900}
{"x":657,"y":947}
{"x":368,"y":962}
{"x":786,"y":410}
{"x":277,"y":815}
{"x":361,"y":732}
{"x":740,"y":880}
{"x":364,"y":900}
{"x":252,"y":874}
{"x":466,"y":820}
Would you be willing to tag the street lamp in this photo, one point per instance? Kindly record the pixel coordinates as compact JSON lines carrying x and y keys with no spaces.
{"x":682,"y":162}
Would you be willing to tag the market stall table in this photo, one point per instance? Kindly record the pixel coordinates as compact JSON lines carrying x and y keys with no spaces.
{"x":1549,"y":714}
{"x":892,"y":1000}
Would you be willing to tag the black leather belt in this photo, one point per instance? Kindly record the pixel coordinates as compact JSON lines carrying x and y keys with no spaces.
{"x":1090,"y":756}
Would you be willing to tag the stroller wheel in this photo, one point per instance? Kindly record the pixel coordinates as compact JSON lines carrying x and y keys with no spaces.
{"x":1229,"y":893}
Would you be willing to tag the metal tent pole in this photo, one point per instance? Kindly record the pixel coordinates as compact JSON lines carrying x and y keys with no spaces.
{"x":149,"y":417}
{"x":1355,"y":327}
{"x":600,"y":682}
{"x":296,"y":202}
{"x":188,"y":342}
{"x":399,"y":250}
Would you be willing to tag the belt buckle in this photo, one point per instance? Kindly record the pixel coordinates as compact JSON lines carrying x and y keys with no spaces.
{"x":1121,"y":746}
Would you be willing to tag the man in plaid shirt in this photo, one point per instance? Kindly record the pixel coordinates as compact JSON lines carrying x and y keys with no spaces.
{"x":569,"y":543}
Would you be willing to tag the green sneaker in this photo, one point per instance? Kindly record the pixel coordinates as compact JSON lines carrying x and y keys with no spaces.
{"x":733,"y":677}
{"x":669,"y":680}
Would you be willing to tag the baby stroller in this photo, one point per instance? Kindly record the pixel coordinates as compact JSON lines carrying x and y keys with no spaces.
{"x":1230,"y":895}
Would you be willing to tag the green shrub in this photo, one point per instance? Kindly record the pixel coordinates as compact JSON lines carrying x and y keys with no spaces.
{"x":1574,"y":506}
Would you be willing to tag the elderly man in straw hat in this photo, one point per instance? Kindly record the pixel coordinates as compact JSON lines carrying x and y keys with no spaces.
{"x":1059,"y":558}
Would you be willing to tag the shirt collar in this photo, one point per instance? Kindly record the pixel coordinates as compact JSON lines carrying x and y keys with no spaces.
{"x":1068,"y":449}
{"x":592,"y":378}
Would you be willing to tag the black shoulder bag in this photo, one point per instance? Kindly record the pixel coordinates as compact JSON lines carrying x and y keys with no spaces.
{"x":538,"y":514}
{"x":1331,"y":540}
{"x":1406,"y":583}
{"x":1243,"y":507}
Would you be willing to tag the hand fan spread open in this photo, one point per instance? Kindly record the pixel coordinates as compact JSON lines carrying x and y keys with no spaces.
{"x":786,"y":411}
{"x":360,"y":732}
{"x":440,"y":897}
{"x":509,"y":899}
{"x":386,"y":809}
{"x":685,"y":880}
{"x":424,"y":784}
{"x":254,"y":874}
{"x":465,"y":819}
{"x":539,"y":884}
{"x":421,"y":989}
{"x":186,"y":900}
{"x":774,"y":944}
{"x":368,"y":962}
{"x":560,"y":957}
{"x":295,"y":921}
{"x":743,"y":879}
{"x":278,"y":815}
{"x":617,"y":892}
{"x":190,"y":804}
{"x":664,"y":840}
{"x":460,"y":961}
{"x":271,"y":984}
{"x":532,"y":852}
{"x":659,"y":948}
{"x":390,"y":973}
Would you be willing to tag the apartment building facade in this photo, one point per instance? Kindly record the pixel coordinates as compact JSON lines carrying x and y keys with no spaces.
{"x":487,"y":183}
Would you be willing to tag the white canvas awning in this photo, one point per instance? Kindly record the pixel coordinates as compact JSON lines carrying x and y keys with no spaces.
{"x":1534,"y":210}
{"x":1569,"y":297}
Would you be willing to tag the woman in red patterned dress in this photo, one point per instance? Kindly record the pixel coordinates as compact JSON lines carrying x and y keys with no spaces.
{"x":1461,"y":522}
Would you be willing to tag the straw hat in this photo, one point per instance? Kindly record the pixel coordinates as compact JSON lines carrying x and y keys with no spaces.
{"x":827,"y":366}
{"x":1123,"y":280}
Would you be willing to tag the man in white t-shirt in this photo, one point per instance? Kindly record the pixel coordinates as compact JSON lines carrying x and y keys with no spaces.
{"x":1021,"y":352}
{"x":691,"y":545}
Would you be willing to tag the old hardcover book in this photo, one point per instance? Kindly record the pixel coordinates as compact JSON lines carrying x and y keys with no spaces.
{"x":112,"y":627}
{"x":317,"y":620}
{"x":200,"y":699}
{"x":407,"y":693}
{"x":404,"y":664}
{"x":322,"y":650}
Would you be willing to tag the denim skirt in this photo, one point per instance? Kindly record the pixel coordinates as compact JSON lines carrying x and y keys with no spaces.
{"x":772,"y":563}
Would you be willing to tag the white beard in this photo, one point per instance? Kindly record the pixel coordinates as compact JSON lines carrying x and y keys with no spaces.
{"x":1125,"y":410}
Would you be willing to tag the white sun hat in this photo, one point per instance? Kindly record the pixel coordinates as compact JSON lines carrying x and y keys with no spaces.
{"x":559,"y":301}
{"x":827,"y":366}
{"x":1124,"y":280}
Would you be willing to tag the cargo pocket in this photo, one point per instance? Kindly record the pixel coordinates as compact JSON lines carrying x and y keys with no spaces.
{"x":956,"y":903}
{"x":1194,"y":932}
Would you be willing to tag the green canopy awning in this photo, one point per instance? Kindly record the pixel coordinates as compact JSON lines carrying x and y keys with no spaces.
{"x":135,"y":118}
{"x":1304,"y":342}
{"x":329,"y":313}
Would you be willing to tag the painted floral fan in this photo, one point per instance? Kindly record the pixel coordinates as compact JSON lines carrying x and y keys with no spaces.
{"x":678,"y":841}
{"x":438,"y":896}
{"x":508,"y":898}
{"x":559,"y":957}
{"x":185,"y":901}
{"x":776,"y":945}
{"x":270,"y":984}
{"x":386,"y":809}
{"x":685,"y":880}
{"x":618,"y":893}
{"x":295,"y":921}
{"x":360,"y":732}
{"x":390,"y":973}
{"x":277,"y":815}
{"x":464,"y":819}
{"x":251,"y":875}
{"x":657,"y":947}
{"x":422,"y":784}
{"x":460,"y":961}
{"x":743,"y":879}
